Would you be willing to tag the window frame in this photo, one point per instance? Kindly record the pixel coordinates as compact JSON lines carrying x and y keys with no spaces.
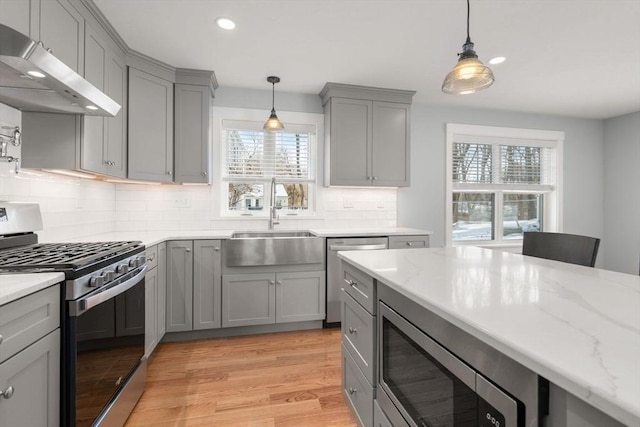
{"x":295,"y":120}
{"x":496,"y":136}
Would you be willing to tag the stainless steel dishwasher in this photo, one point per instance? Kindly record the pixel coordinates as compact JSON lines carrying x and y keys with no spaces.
{"x":334,"y":269}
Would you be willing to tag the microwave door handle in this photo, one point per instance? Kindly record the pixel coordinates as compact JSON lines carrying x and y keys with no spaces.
{"x":76,"y":308}
{"x":356,"y":247}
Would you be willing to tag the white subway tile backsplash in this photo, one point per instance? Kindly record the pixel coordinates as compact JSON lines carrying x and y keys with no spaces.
{"x":74,"y":207}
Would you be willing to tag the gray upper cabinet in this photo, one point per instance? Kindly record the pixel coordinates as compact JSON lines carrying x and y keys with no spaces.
{"x":87,"y":143}
{"x":194,"y":91}
{"x":150,"y":136}
{"x":104,"y":138}
{"x":61,"y":29}
{"x":17,"y":15}
{"x":367,"y":132}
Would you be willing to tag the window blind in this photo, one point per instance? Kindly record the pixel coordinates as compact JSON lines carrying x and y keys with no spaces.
{"x":252,"y":154}
{"x":520,"y":165}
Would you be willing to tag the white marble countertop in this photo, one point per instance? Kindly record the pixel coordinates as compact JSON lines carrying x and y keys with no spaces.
{"x":150,"y":238}
{"x":14,"y":286}
{"x":579,"y":327}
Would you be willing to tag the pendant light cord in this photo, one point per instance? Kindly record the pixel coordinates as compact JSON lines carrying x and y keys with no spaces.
{"x":468,"y":13}
{"x":273,"y":96}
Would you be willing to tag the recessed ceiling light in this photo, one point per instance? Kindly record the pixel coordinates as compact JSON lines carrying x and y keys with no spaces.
{"x":497,"y":60}
{"x":37,"y":74}
{"x":91,"y":107}
{"x":225,"y":23}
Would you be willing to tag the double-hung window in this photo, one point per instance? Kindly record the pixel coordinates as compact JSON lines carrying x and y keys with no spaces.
{"x":501,"y":182}
{"x":259,"y":164}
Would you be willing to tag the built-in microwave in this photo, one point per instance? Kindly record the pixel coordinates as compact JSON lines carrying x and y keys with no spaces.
{"x":424,"y":382}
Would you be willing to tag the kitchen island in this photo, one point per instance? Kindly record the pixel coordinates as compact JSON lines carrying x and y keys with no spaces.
{"x":578,"y":327}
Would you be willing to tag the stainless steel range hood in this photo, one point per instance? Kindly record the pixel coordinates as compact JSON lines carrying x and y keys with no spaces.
{"x":32,"y":79}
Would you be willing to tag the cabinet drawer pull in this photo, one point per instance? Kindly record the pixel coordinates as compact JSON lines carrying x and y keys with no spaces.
{"x":352,"y":390}
{"x":151,"y":258}
{"x":409,"y":244}
{"x":7,"y":393}
{"x":351,"y":283}
{"x":352,"y":330}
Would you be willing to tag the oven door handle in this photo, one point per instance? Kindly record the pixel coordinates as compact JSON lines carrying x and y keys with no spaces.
{"x":76,"y":308}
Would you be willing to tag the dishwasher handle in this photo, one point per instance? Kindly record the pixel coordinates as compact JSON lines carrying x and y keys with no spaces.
{"x":357,"y":247}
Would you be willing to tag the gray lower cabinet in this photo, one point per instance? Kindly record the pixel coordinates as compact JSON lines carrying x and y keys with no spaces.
{"x":408,"y":242}
{"x":193,"y":285}
{"x":150,"y":135}
{"x":179,"y":286}
{"x":265,"y":298}
{"x":30,"y":360}
{"x":206,"y":284}
{"x":150,"y":308}
{"x":359,"y":342}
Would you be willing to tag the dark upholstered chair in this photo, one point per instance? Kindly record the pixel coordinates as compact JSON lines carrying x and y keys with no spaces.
{"x":571,"y":248}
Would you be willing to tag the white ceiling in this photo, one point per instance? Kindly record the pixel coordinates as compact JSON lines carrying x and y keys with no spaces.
{"x":578,"y":58}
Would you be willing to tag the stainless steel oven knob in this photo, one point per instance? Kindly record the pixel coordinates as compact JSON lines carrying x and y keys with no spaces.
{"x":96,"y":281}
{"x":122,"y":268}
{"x":133,"y":263}
{"x":142,"y":260}
{"x":108,"y":275}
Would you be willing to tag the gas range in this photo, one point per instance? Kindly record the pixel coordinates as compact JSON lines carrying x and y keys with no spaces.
{"x":103,"y":315}
{"x":87,"y":266}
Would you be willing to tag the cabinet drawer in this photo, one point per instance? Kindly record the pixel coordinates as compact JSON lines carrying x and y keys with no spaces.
{"x":360,"y":286}
{"x":359,"y":335}
{"x":28,"y":319}
{"x":152,"y":257}
{"x":357,"y":391}
{"x":407,"y":242}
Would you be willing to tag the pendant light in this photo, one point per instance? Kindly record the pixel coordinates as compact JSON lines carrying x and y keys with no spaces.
{"x":469,"y":75}
{"x":272,"y":123}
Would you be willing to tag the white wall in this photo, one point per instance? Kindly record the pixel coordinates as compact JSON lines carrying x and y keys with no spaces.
{"x":422,"y":204}
{"x":621,"y":239}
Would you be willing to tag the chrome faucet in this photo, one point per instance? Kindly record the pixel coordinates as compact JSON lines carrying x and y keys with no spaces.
{"x":273,"y":211}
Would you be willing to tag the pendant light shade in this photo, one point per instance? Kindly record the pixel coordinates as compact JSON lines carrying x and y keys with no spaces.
{"x":273,"y":124}
{"x":469,"y":75}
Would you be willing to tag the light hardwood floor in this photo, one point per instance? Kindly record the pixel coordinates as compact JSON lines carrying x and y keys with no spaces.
{"x":283,"y":379}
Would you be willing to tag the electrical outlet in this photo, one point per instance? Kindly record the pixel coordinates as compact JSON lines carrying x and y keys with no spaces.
{"x":181,"y":203}
{"x":347,"y":203}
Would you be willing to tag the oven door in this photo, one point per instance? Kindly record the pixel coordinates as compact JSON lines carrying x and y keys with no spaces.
{"x":430,"y":386}
{"x":104,"y":345}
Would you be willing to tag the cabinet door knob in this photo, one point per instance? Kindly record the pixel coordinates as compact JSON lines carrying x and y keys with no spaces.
{"x":7,"y":393}
{"x":169,"y":173}
{"x":216,"y":248}
{"x":204,"y":174}
{"x":272,"y":282}
{"x":352,"y":330}
{"x":352,"y":390}
{"x":187,"y":250}
{"x":374,"y":178}
{"x":409,"y":244}
{"x":279,"y":282}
